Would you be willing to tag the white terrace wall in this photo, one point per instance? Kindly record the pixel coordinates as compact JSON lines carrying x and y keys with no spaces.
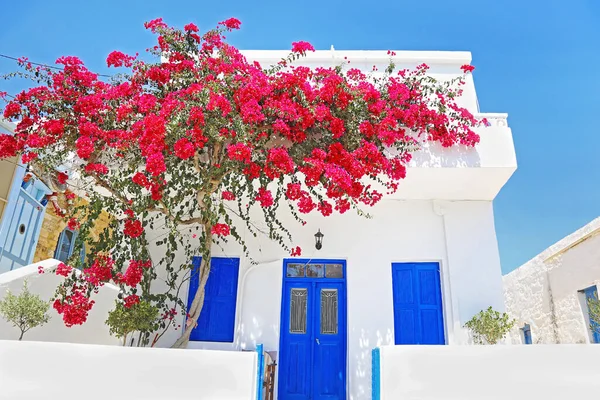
{"x":487,"y":372}
{"x":93,"y":331}
{"x":545,"y":292}
{"x":36,"y":370}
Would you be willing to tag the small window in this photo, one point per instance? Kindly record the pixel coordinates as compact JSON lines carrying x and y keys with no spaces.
{"x":527,"y":334}
{"x":295,"y":271}
{"x":315,"y":270}
{"x":591,"y":295}
{"x":329,"y":311}
{"x":217,"y":318}
{"x":298,"y":305}
{"x":334,"y":271}
{"x":66,"y":245}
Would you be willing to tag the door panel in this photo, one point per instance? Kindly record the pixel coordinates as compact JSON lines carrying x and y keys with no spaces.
{"x":418,"y":313}
{"x":330,"y":349}
{"x":296,"y":351}
{"x":22,"y":232}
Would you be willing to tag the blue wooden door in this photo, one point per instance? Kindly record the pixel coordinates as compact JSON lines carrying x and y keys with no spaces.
{"x":17,"y":244}
{"x":217,"y":317}
{"x":418,"y":313}
{"x":592,"y":293}
{"x":313,"y":331}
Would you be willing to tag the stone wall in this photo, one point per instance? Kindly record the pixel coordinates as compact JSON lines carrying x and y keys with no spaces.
{"x":52,"y":227}
{"x":546,"y":291}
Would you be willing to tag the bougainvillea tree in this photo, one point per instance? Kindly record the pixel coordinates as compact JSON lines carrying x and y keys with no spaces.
{"x":198,"y":139}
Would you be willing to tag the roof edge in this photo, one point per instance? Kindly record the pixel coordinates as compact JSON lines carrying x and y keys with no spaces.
{"x":374,"y":56}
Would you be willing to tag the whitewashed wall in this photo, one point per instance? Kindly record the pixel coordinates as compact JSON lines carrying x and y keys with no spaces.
{"x":36,"y":370}
{"x":489,"y":372}
{"x":44,"y":285}
{"x":545,"y":292}
{"x":459,"y":235}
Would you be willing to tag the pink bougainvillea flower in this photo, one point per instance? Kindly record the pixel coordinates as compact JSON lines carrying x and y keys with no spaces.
{"x":231,"y":23}
{"x":220,"y":230}
{"x":63,"y":269}
{"x":302,"y":47}
{"x":467,"y":68}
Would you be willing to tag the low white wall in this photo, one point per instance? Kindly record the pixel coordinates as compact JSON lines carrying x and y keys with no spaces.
{"x":36,"y":370}
{"x":93,"y":331}
{"x":489,"y":372}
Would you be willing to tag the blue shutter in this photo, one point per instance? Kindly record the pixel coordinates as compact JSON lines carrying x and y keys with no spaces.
{"x":65,"y":245}
{"x":527,"y":334}
{"x":592,"y":293}
{"x":217,"y":318}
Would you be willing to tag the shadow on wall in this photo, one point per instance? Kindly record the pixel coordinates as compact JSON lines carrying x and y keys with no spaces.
{"x":434,"y":155}
{"x":94,"y":331}
{"x":259,"y":306}
{"x":360,"y":346}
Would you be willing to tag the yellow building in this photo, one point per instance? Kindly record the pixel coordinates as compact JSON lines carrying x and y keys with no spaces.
{"x":30,"y":228}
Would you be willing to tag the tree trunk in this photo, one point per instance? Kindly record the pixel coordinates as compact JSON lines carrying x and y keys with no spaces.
{"x":197,"y":303}
{"x":22,"y":333}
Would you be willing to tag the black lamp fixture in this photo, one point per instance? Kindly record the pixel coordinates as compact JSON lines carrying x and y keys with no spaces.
{"x":319,"y":240}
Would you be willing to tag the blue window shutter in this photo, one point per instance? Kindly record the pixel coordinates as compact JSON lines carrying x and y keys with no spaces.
{"x":527,"y":334}
{"x":592,"y":293}
{"x":217,"y":318}
{"x":65,"y":245}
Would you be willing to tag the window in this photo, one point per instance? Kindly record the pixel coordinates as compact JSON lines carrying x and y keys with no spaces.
{"x":312,"y":270}
{"x":217,"y":318}
{"x":526,"y":334}
{"x":591,"y":294}
{"x":65,"y":246}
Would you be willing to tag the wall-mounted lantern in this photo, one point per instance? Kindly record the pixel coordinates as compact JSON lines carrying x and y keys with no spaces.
{"x":319,"y":240}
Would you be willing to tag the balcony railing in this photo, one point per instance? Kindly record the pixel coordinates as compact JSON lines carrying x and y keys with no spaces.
{"x":494,"y":119}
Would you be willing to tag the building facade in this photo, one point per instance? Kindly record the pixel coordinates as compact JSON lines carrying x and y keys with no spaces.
{"x":424,"y":263}
{"x":548,"y":294}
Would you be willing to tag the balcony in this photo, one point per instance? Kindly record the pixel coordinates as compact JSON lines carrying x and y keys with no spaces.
{"x":435,"y":172}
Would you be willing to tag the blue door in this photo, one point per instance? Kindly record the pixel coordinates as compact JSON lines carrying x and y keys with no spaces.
{"x":217,"y":317}
{"x":592,"y":293}
{"x":418,"y":314}
{"x":312,"y":348}
{"x":21,"y":226}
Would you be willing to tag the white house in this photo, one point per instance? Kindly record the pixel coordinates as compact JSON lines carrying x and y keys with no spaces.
{"x":414,"y":273}
{"x":548,"y":294}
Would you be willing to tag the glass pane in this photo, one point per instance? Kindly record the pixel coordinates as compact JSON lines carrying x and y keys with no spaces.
{"x":329,"y":311}
{"x":334,"y":271}
{"x":298,"y":302}
{"x":295,"y":270}
{"x":315,"y":270}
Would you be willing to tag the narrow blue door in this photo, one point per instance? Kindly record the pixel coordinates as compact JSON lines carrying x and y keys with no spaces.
{"x":217,"y":318}
{"x":592,"y":293}
{"x":417,"y":296}
{"x":313,"y":331}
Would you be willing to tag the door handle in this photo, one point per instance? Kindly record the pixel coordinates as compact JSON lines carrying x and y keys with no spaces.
{"x":318,"y":341}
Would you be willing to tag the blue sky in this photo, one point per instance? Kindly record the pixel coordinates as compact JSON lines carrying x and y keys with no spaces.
{"x":538,"y":61}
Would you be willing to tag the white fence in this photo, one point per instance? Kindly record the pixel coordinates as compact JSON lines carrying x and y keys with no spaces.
{"x":518,"y":372}
{"x":37,"y":370}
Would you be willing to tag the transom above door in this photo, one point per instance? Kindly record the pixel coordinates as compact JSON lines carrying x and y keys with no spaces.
{"x":312,"y":349}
